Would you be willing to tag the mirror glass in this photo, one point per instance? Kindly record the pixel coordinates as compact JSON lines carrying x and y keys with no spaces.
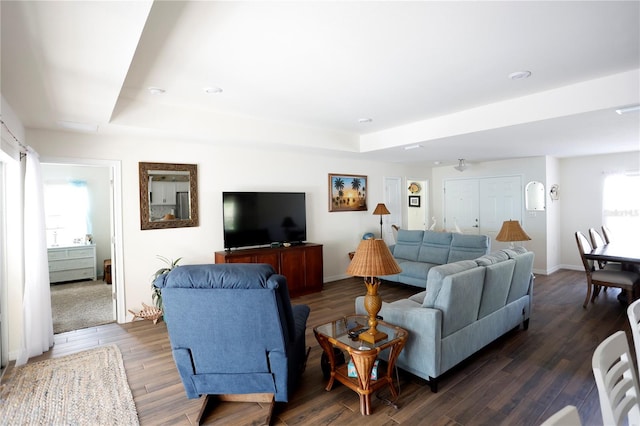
{"x":168,"y":195}
{"x":534,"y":196}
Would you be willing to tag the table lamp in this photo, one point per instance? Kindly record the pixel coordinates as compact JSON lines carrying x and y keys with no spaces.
{"x":512,"y":231}
{"x":381,"y":209}
{"x":373,"y":258}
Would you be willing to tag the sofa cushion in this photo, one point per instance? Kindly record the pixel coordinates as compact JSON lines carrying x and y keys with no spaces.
{"x":417,"y":270}
{"x":497,"y":282}
{"x":465,"y":247}
{"x":436,"y":276}
{"x":418,"y":298}
{"x":515,"y":251}
{"x":435,"y":247}
{"x":408,"y":244}
{"x":521,"y":276}
{"x":459,"y":299}
{"x":492,"y":258}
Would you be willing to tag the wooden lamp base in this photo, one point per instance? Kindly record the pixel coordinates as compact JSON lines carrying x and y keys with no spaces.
{"x":372,"y":303}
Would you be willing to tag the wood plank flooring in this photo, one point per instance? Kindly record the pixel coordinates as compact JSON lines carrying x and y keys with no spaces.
{"x":520,"y":379}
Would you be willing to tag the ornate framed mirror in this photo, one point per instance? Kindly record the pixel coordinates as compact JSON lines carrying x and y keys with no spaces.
{"x":168,"y":195}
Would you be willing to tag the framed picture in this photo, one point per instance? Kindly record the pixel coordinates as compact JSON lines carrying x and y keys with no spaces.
{"x":414,"y":201}
{"x":347,"y":193}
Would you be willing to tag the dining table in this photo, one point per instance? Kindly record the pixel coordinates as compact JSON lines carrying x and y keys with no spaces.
{"x":616,"y":251}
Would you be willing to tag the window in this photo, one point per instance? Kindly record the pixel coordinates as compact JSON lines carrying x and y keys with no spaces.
{"x":66,"y":213}
{"x":621,"y":204}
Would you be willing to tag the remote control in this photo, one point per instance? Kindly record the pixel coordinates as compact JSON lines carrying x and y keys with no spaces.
{"x":355,"y":333}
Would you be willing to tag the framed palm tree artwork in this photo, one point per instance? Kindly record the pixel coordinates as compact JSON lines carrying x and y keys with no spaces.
{"x":347,"y":193}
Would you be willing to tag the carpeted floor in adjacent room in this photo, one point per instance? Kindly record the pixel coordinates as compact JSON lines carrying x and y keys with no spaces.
{"x":80,"y":305}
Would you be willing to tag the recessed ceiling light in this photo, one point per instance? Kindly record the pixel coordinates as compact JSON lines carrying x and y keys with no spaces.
{"x":73,"y":125}
{"x":416,"y":146}
{"x":156,"y":90}
{"x":628,"y":109}
{"x":212,"y":89}
{"x":437,"y":163}
{"x":365,"y":120}
{"x":519,"y":75}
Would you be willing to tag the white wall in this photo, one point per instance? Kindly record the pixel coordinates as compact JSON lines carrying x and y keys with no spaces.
{"x":554,"y":209}
{"x":581,"y":183}
{"x":223,"y":168}
{"x":530,"y":169}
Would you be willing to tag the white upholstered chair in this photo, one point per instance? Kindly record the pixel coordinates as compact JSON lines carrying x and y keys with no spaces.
{"x":616,"y":380}
{"x":633,"y":313}
{"x":568,"y":416}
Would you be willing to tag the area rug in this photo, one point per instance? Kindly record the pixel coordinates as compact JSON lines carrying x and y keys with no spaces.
{"x":80,"y":305}
{"x":86,"y":388}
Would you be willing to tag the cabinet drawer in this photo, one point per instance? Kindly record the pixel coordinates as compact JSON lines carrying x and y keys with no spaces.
{"x":69,"y":275}
{"x":70,"y":253}
{"x":60,"y":265}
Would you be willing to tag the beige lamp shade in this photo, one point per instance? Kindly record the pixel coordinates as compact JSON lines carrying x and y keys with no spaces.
{"x":373,"y":259}
{"x":381,"y":209}
{"x":512,"y":231}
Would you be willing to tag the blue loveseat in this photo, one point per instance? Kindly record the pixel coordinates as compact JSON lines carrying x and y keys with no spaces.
{"x":418,"y":251}
{"x":233,"y":329}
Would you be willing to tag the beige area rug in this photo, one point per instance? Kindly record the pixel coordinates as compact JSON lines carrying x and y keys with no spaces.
{"x":80,"y":305}
{"x":86,"y":388}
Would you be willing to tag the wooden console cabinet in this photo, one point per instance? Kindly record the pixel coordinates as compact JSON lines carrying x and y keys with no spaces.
{"x":300,"y":264}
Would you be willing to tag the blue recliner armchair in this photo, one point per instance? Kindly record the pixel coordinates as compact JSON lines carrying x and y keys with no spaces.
{"x":233,"y":330}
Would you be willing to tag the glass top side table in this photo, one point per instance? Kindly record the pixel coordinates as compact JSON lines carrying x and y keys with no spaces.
{"x":363,"y":354}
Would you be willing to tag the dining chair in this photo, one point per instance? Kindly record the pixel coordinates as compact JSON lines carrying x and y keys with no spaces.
{"x":598,"y":241}
{"x":616,"y":381}
{"x":628,"y":281}
{"x":633,"y":313}
{"x":606,"y":233}
{"x":568,"y":416}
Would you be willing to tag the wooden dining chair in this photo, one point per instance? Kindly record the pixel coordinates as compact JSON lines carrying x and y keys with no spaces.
{"x":616,"y":381}
{"x":606,"y":233}
{"x":598,"y":241}
{"x":596,"y":278}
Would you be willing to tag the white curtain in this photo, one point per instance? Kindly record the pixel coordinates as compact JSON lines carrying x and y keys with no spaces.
{"x":37,"y":320}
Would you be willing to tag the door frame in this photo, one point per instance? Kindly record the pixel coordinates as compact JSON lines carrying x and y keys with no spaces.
{"x":115,"y":213}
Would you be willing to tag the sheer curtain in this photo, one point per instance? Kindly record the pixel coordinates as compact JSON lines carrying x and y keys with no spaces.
{"x":36,"y":308}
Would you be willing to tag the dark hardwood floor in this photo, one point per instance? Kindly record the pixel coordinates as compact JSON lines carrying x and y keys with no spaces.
{"x":522,"y":378}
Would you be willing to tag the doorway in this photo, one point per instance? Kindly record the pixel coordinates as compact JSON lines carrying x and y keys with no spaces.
{"x":102,"y":180}
{"x":393,"y":200}
{"x":418,"y":204}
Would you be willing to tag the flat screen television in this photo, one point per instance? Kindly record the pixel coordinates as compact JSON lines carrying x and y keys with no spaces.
{"x":259,"y":218}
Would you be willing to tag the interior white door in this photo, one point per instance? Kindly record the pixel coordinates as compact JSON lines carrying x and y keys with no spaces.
{"x":393,"y":201}
{"x":461,"y":206}
{"x":501,"y":199}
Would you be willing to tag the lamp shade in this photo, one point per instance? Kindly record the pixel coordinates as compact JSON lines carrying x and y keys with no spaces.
{"x":512,"y":231}
{"x":381,"y":209}
{"x":373,"y":259}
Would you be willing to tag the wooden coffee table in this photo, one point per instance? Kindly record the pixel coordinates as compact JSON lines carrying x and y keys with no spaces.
{"x":363,"y":354}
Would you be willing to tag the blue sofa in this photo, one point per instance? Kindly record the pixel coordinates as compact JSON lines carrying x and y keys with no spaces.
{"x":418,"y":251}
{"x":466,"y":305}
{"x":233,"y":329}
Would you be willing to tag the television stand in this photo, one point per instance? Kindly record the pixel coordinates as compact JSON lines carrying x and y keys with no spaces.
{"x":301,"y":264}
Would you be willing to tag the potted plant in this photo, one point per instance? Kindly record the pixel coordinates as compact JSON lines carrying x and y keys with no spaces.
{"x":156,"y":296}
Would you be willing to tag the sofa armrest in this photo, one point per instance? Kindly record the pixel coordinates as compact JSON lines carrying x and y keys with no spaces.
{"x":421,"y":355}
